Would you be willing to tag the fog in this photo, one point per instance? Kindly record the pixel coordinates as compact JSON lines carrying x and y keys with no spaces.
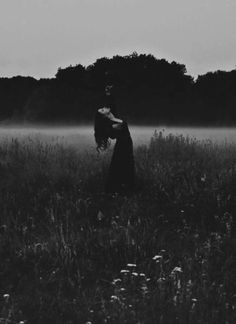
{"x":81,"y":137}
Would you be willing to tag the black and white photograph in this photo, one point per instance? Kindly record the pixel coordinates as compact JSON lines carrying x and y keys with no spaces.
{"x":117,"y":161}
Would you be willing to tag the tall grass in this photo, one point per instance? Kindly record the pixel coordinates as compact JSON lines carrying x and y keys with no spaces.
{"x":71,"y":254}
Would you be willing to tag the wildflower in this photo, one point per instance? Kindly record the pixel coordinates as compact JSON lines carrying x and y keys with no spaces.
{"x":157,"y":257}
{"x":100,"y":215}
{"x":114,"y":297}
{"x":116,"y":280}
{"x":135,"y":274}
{"x":144,"y":289}
{"x":142,"y":275}
{"x":176,"y":269}
{"x":124,"y":271}
{"x":6,"y":297}
{"x":122,"y":289}
{"x":194,"y":300}
{"x":131,"y":265}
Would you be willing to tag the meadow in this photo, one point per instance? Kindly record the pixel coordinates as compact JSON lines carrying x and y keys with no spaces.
{"x":71,"y":254}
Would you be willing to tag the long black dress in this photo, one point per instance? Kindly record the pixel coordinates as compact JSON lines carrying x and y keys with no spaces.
{"x":121,"y":172}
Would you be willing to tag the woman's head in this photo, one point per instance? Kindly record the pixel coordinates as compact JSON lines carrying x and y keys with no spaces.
{"x":104,"y":111}
{"x":101,"y":128}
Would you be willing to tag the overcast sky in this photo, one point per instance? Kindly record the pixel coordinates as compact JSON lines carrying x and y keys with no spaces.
{"x":38,"y":36}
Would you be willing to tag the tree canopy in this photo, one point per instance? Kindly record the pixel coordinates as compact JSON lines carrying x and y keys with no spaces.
{"x":144,"y":89}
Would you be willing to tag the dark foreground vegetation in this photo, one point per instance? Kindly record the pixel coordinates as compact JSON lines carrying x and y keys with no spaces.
{"x":145,"y":90}
{"x":70,"y":254}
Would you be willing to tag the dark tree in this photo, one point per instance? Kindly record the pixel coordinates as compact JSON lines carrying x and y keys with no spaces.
{"x":144,"y":89}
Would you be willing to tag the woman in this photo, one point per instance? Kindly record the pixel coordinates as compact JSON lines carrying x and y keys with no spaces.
{"x":121,"y":172}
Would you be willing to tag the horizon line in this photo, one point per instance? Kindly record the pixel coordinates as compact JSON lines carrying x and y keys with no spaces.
{"x":112,"y":56}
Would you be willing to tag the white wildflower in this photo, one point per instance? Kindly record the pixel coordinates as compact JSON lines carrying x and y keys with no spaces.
{"x":124,"y":271}
{"x":6,"y":297}
{"x":116,"y":280}
{"x":100,"y":215}
{"x":114,"y":297}
{"x":176,"y":269}
{"x":135,"y":274}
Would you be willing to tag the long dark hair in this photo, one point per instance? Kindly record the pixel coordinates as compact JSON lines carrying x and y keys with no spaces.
{"x":101,"y":131}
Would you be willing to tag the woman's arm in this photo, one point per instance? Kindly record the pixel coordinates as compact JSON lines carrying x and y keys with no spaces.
{"x":115,"y":130}
{"x":117,"y":126}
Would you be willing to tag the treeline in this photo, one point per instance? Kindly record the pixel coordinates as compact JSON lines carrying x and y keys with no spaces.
{"x":144,"y":90}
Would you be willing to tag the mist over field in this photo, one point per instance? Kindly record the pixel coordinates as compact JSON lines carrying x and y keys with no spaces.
{"x":82,"y":136}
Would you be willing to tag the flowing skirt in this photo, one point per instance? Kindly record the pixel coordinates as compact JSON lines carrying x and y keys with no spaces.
{"x":121,"y":173}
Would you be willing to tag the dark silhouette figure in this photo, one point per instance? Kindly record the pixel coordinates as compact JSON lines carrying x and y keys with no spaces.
{"x":121,"y":171}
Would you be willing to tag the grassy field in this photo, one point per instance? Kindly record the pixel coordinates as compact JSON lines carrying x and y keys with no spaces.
{"x":71,"y":254}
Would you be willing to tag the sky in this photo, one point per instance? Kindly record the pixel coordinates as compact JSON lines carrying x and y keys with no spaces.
{"x":39,"y":36}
